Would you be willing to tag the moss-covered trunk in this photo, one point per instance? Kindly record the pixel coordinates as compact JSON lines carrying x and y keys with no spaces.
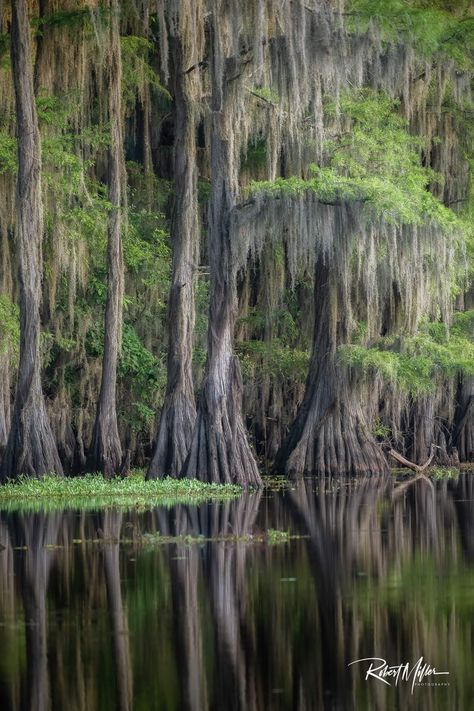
{"x":31,"y":448}
{"x":106,"y":451}
{"x":179,"y":412}
{"x":330,"y":435}
{"x":220,"y":451}
{"x":464,"y":424}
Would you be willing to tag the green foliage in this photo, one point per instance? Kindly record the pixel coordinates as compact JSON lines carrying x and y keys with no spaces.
{"x":380,"y":430}
{"x":9,"y":325}
{"x":463,"y":325}
{"x":376,"y":161}
{"x":72,"y":20}
{"x":256,"y":155}
{"x":440,"y":473}
{"x":445,"y":28}
{"x":275,"y":537}
{"x":416,"y":364}
{"x":93,"y":491}
{"x":146,"y":248}
{"x":4,"y":46}
{"x":266,"y":93}
{"x":144,"y":375}
{"x":135,"y":359}
{"x":137,"y":72}
{"x":8,"y":157}
{"x":260,"y":358}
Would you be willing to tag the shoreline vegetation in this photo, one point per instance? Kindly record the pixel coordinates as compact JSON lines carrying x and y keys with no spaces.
{"x":92,"y":491}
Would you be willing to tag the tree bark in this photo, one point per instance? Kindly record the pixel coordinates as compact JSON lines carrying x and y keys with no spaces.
{"x":427,"y":426}
{"x":220,"y":451}
{"x":179,"y":412}
{"x":31,"y":448}
{"x":106,"y":451}
{"x":464,"y":421}
{"x":464,"y":436}
{"x":330,"y":435}
{"x":4,"y":399}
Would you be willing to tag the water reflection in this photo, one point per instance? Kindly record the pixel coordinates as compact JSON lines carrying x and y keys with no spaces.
{"x":92,"y":616}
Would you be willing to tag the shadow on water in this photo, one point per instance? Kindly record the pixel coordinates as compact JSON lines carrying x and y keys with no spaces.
{"x":96,"y":612}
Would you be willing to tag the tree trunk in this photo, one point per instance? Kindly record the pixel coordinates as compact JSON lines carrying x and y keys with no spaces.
{"x":427,"y":426}
{"x":220,"y":451}
{"x":464,"y":435}
{"x":464,"y":429}
{"x":4,"y":399}
{"x":179,"y":412}
{"x":31,"y":448}
{"x":330,"y":435}
{"x":106,"y":451}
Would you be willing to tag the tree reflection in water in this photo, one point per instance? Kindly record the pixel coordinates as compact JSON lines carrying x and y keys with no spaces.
{"x":94,"y":615}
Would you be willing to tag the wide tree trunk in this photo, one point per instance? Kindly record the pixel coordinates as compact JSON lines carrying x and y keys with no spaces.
{"x":220,"y":451}
{"x":330,"y":435}
{"x":31,"y":448}
{"x":179,"y":412}
{"x":106,"y":451}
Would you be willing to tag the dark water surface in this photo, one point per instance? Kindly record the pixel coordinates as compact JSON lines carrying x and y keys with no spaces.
{"x":93,"y":615}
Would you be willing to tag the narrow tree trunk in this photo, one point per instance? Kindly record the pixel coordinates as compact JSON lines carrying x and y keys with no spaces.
{"x":43,"y":7}
{"x":464,"y":429}
{"x":464,"y":435}
{"x":112,"y":525}
{"x":330,"y":435}
{"x":179,"y":413}
{"x":31,"y":448}
{"x":427,"y":426}
{"x":220,"y":451}
{"x":4,"y":399}
{"x":106,"y":451}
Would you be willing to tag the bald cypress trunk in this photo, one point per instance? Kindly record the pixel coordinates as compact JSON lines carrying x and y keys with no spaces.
{"x":179,"y":412}
{"x":465,"y":425}
{"x":106,"y":451}
{"x":31,"y":448}
{"x":330,"y":435}
{"x":220,"y":451}
{"x":464,"y":421}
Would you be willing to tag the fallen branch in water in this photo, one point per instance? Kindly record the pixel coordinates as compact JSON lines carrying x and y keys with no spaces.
{"x":411,"y":465}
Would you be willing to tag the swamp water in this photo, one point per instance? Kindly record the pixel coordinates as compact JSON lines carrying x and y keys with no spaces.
{"x":212,"y":606}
